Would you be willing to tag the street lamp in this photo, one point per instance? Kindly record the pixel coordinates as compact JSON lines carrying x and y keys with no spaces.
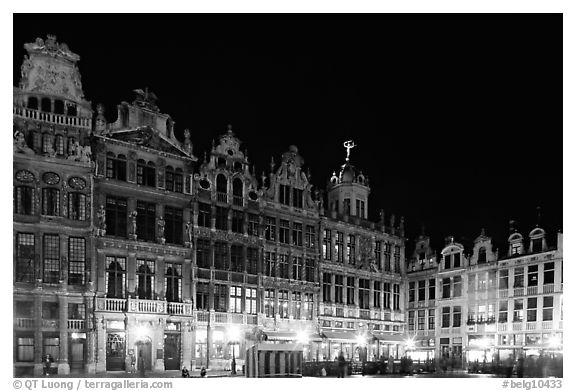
{"x":302,"y":337}
{"x":233,"y":337}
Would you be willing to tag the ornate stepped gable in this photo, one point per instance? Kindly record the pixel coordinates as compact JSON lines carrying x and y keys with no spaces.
{"x":290,"y":173}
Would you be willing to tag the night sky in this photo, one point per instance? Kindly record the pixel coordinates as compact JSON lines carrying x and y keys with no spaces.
{"x":458,"y":119}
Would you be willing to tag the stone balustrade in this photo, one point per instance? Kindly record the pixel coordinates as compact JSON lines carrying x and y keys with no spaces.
{"x":58,"y":119}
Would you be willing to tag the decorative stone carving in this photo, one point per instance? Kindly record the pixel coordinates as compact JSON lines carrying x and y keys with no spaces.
{"x":133,"y":220}
{"x":101,"y":215}
{"x":100,"y":125}
{"x":161,"y":224}
{"x":77,"y":183}
{"x":20,"y":145}
{"x":189,"y":232}
{"x":51,"y":178}
{"x":79,"y":153}
{"x":187,"y":143}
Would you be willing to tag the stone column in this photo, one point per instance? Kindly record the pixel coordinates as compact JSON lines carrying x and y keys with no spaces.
{"x":38,"y":348}
{"x":90,"y":365}
{"x":356,"y":291}
{"x":321,"y":294}
{"x":345,"y":290}
{"x":333,"y":287}
{"x":101,"y":271}
{"x":131,"y":268}
{"x":244,"y":258}
{"x":186,"y":282}
{"x":63,"y":366}
{"x":160,"y":288}
{"x":187,"y":345}
{"x":100,"y":344}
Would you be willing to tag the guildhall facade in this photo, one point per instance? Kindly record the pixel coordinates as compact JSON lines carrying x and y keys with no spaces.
{"x":130,"y":250}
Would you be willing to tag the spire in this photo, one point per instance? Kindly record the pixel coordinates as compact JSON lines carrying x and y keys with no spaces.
{"x":272,"y":164}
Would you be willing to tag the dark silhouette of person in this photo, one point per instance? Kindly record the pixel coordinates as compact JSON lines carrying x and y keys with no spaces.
{"x":341,"y":365}
{"x":141,"y":366}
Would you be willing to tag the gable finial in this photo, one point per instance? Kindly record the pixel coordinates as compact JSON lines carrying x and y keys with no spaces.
{"x":538,"y":216}
{"x":230,"y":129}
{"x":348,"y":145}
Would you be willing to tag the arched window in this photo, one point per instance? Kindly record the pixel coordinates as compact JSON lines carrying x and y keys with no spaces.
{"x":237,"y":191}
{"x":58,"y":107}
{"x":221,"y":188}
{"x":46,"y":105}
{"x":482,"y":255}
{"x":24,"y":200}
{"x":115,"y":166}
{"x":33,"y":102}
{"x":173,"y":276}
{"x":115,"y":277}
{"x":72,"y":111}
{"x":145,"y":281}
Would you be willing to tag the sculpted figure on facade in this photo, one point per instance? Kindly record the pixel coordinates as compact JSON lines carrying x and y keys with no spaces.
{"x":101,"y":215}
{"x":20,"y":145}
{"x":189,"y":232}
{"x":161,"y":224}
{"x":133,"y":219}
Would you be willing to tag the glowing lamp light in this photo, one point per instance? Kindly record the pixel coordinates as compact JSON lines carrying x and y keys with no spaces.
{"x":233,"y":333}
{"x":140,"y":332}
{"x":554,"y":342}
{"x":302,"y":337}
{"x":361,"y":340}
{"x":484,"y":343}
{"x":75,"y":335}
{"x":410,"y":344}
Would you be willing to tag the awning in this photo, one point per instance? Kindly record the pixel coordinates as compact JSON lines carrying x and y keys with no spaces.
{"x":395,"y":338}
{"x":341,"y":336}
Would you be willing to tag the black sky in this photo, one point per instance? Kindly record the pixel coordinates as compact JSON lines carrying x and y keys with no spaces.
{"x":458,"y":119}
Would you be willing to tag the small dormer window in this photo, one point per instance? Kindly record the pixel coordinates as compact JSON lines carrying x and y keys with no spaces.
{"x":284,"y":194}
{"x":346,"y":206}
{"x":537,"y":245}
{"x":221,"y":162}
{"x":447,"y":261}
{"x":457,"y":260}
{"x":515,"y":248}
{"x":482,"y":255}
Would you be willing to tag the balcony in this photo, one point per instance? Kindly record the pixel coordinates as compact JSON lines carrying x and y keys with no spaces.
{"x":547,"y":325}
{"x":236,"y":318}
{"x":50,"y":323}
{"x":518,"y":291}
{"x":530,"y":325}
{"x":76,"y":324}
{"x":238,"y":201}
{"x":58,"y":119}
{"x":364,"y":314}
{"x":503,"y":293}
{"x":24,"y":323}
{"x":548,"y":288}
{"x":179,"y":309}
{"x":111,"y":305}
{"x":202,"y":316}
{"x":517,"y":326}
{"x":220,"y":317}
{"x":221,"y":197}
{"x":146,"y":306}
{"x":532,"y":290}
{"x":251,"y":319}
{"x":502,"y":326}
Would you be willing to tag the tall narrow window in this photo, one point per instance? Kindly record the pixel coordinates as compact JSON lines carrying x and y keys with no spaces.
{"x":377,"y":291}
{"x":456,"y":316}
{"x":548,"y":308}
{"x":308,"y":305}
{"x":445,"y":288}
{"x":503,"y":280}
{"x":297,"y":268}
{"x":421,"y":319}
{"x":447,"y":261}
{"x":445,"y":317}
{"x":269,"y":264}
{"x":411,"y":291}
{"x":51,"y":264}
{"x":396,"y":297}
{"x":50,"y":201}
{"x":310,"y":270}
{"x":397,"y":268}
{"x":220,"y":297}
{"x":25,"y":257}
{"x":351,"y":249}
{"x":115,"y":277}
{"x":24,"y":200}
{"x":145,"y":274}
{"x":411,"y":320}
{"x":146,"y":173}
{"x":116,"y":216}
{"x":482,"y":255}
{"x":203,"y":253}
{"x":173,"y":218}
{"x":364,"y":293}
{"x":77,"y":206}
{"x":252,"y":260}
{"x":457,"y":260}
{"x":346,"y":206}
{"x":327,"y":245}
{"x":549,"y":273}
{"x":237,"y":192}
{"x":202,"y":295}
{"x":387,"y":257}
{"x":251,"y":301}
{"x":283,"y":304}
{"x":179,"y":181}
{"x":173,"y":282}
{"x":222,"y":218}
{"x":503,"y":311}
{"x":457,"y":286}
{"x":221,"y":255}
{"x":269,"y":303}
{"x":284,"y":231}
{"x":297,"y":198}
{"x":338,"y":289}
{"x":519,"y":277}
{"x":350,"y":287}
{"x":235,"y":300}
{"x":253,"y":224}
{"x":387,"y":294}
{"x":310,"y":236}
{"x":431,"y":320}
{"x":432,"y":289}
{"x":204,"y":215}
{"x":518,"y":310}
{"x":284,"y":194}
{"x":297,"y":234}
{"x":422,"y":290}
{"x":282,"y":270}
{"x":327,"y":288}
{"x":146,"y":221}
{"x":76,"y":260}
{"x":296,"y":305}
{"x":533,"y":275}
{"x":237,"y":221}
{"x":378,"y":254}
{"x":270,"y":230}
{"x":339,"y":249}
{"x":531,"y":308}
{"x":115,"y":167}
{"x":236,"y":259}
{"x":221,"y":188}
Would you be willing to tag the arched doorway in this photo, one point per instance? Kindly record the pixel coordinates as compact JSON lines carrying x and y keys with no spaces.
{"x":144,"y":354}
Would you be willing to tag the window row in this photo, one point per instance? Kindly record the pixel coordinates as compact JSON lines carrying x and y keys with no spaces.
{"x":290,"y":196}
{"x":417,"y":320}
{"x":76,"y":205}
{"x":146,"y":288}
{"x":224,"y":256}
{"x":51,"y":144}
{"x":283,"y":303}
{"x":51,"y":264}
{"x":289,"y":267}
{"x":340,"y":289}
{"x":48,"y":105}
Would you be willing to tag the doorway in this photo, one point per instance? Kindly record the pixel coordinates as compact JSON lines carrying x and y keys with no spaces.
{"x":144,"y":355}
{"x":76,"y":354}
{"x":172,"y":351}
{"x":115,"y":351}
